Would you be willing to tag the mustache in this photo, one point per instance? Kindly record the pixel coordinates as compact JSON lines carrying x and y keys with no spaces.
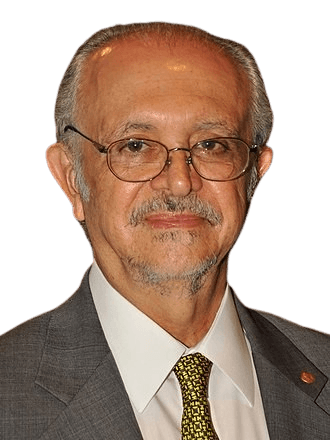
{"x":173,"y":204}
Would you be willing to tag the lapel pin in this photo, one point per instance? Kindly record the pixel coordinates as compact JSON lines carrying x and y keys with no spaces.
{"x":307,"y":377}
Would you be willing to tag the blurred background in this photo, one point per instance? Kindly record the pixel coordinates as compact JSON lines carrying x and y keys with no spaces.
{"x":280,"y":263}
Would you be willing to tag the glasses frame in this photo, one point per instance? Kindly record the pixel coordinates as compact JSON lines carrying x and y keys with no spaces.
{"x":105,"y":150}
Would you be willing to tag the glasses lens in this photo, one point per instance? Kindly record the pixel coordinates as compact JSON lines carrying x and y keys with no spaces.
{"x":220,"y":159}
{"x":136,"y":160}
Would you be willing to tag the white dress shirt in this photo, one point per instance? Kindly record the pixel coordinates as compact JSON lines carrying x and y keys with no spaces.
{"x":146,"y":354}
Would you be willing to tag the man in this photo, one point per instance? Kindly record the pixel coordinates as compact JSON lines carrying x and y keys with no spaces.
{"x":162,"y":133}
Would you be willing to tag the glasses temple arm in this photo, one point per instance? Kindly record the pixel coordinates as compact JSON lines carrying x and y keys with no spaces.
{"x":99,"y":147}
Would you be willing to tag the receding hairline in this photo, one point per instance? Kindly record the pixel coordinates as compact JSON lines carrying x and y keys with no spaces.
{"x":171,"y":35}
{"x":159,"y":33}
{"x":152,"y":38}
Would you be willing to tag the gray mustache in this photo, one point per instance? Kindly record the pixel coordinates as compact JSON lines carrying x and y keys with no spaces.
{"x":175,"y":205}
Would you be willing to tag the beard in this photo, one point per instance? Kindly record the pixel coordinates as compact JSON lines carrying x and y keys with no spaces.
{"x":165,"y":280}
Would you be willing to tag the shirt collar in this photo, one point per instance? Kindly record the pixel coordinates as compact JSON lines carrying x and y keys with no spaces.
{"x":146,"y":354}
{"x":227,"y":347}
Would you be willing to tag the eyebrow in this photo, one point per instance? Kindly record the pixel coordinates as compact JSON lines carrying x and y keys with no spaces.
{"x":215,"y":125}
{"x":124,"y":129}
{"x":129,"y":126}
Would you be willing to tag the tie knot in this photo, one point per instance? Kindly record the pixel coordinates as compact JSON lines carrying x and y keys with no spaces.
{"x":193,"y":373}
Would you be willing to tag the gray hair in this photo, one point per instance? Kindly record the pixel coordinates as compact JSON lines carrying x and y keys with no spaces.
{"x":67,"y":103}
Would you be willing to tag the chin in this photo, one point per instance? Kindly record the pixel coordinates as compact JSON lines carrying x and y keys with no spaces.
{"x":162,"y":276}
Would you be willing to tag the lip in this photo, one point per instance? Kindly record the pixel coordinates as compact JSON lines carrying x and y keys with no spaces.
{"x":167,"y":221}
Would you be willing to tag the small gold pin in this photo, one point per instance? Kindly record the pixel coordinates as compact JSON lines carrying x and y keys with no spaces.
{"x":307,"y":377}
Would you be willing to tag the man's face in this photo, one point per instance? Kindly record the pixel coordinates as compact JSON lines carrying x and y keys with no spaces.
{"x":177,"y":96}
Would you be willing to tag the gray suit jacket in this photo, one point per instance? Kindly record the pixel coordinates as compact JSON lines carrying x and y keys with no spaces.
{"x":59,"y":381}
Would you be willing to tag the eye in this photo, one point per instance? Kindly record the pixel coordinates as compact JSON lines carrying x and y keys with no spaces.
{"x":209,"y":144}
{"x":214,"y":146}
{"x":135,"y":149}
{"x":135,"y":145}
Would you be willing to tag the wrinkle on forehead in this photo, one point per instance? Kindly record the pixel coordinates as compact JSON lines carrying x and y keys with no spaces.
{"x":201,"y":125}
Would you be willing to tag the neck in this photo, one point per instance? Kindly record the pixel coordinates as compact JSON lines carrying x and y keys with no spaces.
{"x":185,"y":308}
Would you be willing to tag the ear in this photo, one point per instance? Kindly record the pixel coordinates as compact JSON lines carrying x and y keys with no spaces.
{"x":264,"y":160}
{"x":61,"y":167}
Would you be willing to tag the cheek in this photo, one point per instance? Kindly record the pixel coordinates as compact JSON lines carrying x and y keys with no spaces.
{"x":233,"y":203}
{"x":109,"y":207}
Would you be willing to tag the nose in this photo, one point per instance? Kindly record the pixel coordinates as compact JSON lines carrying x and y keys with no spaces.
{"x":179,"y":177}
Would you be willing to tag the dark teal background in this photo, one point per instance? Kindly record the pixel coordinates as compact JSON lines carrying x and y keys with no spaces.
{"x":281,"y":262}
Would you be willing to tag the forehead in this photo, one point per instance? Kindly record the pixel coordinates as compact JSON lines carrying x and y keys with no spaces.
{"x":158,"y":79}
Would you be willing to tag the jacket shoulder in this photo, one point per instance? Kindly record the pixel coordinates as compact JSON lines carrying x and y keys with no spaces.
{"x":24,"y":342}
{"x":314,"y":344}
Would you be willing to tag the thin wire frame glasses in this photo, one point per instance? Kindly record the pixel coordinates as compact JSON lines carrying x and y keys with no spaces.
{"x":139,"y":160}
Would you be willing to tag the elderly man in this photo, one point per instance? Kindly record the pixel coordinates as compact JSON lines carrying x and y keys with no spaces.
{"x":162,"y":133}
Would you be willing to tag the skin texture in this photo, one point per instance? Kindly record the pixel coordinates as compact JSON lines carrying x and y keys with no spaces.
{"x":177,"y":96}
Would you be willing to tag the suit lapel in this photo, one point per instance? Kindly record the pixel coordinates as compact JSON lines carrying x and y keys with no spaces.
{"x":78,"y":369}
{"x":293,"y":408}
{"x":99,"y":410}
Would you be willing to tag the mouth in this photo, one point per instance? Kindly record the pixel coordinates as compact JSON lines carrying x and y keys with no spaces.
{"x":171,"y":220}
{"x":174,"y":212}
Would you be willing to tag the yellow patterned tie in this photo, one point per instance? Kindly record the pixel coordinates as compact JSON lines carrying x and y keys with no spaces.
{"x":193,"y":373}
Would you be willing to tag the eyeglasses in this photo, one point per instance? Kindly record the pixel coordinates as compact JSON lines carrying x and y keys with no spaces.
{"x":139,"y":160}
